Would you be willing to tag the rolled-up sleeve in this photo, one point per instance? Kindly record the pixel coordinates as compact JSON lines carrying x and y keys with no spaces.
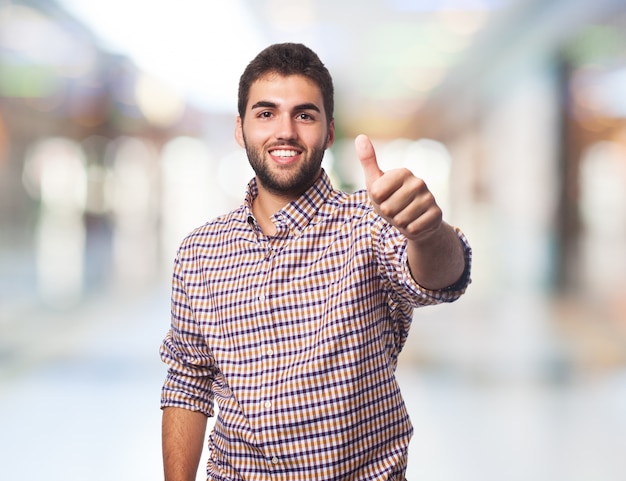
{"x":190,"y":364}
{"x":450,"y":293}
{"x":391,"y":248}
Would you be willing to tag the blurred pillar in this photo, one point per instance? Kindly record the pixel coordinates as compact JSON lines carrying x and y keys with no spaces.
{"x":191,"y":194}
{"x":518,"y":133}
{"x":133,"y":197}
{"x":56,"y":166}
{"x":571,"y":145}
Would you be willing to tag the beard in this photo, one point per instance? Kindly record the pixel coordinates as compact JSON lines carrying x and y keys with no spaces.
{"x":288,"y":181}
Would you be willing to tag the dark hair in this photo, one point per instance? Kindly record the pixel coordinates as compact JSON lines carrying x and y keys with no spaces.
{"x":287,"y":59}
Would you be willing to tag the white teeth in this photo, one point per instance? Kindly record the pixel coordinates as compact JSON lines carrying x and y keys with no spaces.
{"x":284,"y":153}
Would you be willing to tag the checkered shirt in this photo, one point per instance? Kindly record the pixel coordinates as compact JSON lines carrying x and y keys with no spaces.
{"x":296,"y":338}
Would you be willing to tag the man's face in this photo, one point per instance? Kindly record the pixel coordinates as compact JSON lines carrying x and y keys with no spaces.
{"x":285,"y":133}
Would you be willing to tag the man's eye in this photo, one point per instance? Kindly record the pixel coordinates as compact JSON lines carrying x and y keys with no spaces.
{"x":304,"y":116}
{"x":265,"y":115}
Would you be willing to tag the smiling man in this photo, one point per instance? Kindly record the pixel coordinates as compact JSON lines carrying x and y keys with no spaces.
{"x":285,"y":132}
{"x":290,"y":311}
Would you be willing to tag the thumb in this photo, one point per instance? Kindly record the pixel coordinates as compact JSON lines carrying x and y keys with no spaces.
{"x":367,"y":156}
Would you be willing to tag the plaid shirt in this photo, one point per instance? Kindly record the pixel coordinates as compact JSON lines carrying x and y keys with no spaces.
{"x":296,"y":337}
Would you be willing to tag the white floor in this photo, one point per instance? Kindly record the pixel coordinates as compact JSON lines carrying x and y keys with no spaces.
{"x":79,"y":400}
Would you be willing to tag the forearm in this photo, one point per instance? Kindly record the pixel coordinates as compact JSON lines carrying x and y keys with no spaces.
{"x":182,"y":438}
{"x":438,"y":261}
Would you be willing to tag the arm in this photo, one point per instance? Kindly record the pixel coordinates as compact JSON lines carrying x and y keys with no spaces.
{"x":439,"y":261}
{"x":182,"y":438}
{"x":435,"y":253}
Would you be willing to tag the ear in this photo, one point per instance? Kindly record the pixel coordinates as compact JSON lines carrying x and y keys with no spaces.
{"x":331,"y":134}
{"x":239,"y":132}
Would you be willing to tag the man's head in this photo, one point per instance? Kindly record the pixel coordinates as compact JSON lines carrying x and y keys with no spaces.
{"x":285,"y":120}
{"x":288,"y":59}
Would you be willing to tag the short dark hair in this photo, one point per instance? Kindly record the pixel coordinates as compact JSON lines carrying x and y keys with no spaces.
{"x":288,"y":59}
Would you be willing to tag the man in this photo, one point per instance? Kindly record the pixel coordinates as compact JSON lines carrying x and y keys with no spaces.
{"x":290,"y":311}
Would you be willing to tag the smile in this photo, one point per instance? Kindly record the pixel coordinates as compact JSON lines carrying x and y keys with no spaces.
{"x":284,"y":153}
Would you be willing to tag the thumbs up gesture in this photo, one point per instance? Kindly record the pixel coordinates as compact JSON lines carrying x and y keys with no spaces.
{"x":398,"y":196}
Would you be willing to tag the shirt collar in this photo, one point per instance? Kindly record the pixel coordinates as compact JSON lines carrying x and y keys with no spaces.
{"x":299,"y":213}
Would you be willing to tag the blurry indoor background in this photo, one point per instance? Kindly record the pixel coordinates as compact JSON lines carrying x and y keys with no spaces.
{"x":116,"y":139}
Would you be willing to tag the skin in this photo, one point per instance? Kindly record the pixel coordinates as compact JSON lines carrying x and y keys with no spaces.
{"x":285,"y":132}
{"x":283,"y":113}
{"x":435,"y":253}
{"x":182,"y":436}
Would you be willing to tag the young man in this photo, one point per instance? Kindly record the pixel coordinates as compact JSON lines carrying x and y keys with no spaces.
{"x":290,"y":311}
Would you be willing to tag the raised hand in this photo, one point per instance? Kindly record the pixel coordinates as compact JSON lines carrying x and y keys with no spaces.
{"x":399,"y":196}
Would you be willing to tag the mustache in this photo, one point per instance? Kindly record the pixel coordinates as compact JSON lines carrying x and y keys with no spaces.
{"x":280,"y":145}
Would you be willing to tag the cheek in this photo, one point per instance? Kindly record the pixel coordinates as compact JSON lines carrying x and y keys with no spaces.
{"x":258,"y":135}
{"x":317,"y":139}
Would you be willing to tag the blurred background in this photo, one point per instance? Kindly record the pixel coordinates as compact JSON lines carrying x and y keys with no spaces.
{"x":116,"y":139}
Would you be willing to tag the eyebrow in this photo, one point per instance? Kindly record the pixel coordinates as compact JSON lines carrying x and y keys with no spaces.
{"x":266,"y":104}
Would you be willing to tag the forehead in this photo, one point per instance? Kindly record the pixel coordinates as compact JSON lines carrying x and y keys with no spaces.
{"x":285,"y":90}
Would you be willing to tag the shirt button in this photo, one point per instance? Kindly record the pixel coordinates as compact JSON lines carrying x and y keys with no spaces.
{"x":268,"y":404}
{"x":274,"y":460}
{"x":262,"y":297}
{"x":270,"y":351}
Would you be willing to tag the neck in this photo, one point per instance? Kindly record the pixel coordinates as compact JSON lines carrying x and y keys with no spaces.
{"x":265,"y":205}
{"x":268,"y":202}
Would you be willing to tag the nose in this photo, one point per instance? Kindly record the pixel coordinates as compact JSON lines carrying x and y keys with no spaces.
{"x":285,"y":128}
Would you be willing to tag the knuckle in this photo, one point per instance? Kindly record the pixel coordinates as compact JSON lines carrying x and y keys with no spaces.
{"x":386,"y":210}
{"x":417,"y":184}
{"x":376,"y":195}
{"x":402,"y":223}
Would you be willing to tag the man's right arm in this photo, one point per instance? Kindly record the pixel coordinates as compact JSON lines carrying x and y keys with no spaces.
{"x":182,"y":437}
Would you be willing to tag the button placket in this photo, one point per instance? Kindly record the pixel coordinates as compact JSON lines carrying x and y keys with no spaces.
{"x":266,"y":388}
{"x":267,"y":350}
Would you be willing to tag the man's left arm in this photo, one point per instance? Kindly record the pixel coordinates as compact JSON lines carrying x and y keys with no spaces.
{"x":438,"y":262}
{"x":435,"y":252}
